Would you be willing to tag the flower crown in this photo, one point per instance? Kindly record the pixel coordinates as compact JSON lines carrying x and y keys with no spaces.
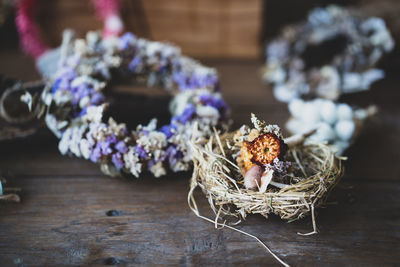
{"x":75,"y":103}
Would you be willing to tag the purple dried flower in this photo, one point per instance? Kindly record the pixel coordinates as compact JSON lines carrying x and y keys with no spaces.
{"x":277,"y":50}
{"x":121,"y":147}
{"x":112,"y":139}
{"x":212,"y":101}
{"x":215,"y":102}
{"x":186,"y":82}
{"x":168,"y":130}
{"x":96,"y":154}
{"x":61,"y":83}
{"x":279,"y":167}
{"x":67,"y":73}
{"x":97,"y":99}
{"x":173,"y":155}
{"x":200,"y":81}
{"x":136,"y":61}
{"x":145,"y":132}
{"x":187,"y":113}
{"x":82,"y":112}
{"x":180,"y":79}
{"x":105,"y":147}
{"x":64,"y":84}
{"x":72,"y":61}
{"x":141,"y":151}
{"x":56,"y":85}
{"x":117,"y":160}
{"x":126,"y":40}
{"x":150,"y":164}
{"x":80,"y":92}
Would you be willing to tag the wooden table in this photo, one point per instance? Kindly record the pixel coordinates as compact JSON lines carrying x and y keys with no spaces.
{"x":71,"y":214}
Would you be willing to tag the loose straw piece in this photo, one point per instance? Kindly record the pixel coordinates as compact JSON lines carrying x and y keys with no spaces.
{"x":194,"y":208}
{"x":10,"y":197}
{"x":315,"y":230}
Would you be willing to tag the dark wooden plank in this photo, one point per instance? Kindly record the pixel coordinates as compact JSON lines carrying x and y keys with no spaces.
{"x":63,"y":221}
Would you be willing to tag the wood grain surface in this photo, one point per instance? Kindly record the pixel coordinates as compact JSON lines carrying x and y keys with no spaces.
{"x":72,"y":215}
{"x":207,"y":28}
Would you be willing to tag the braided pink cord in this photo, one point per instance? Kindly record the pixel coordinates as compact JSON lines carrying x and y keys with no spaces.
{"x":109,"y":12}
{"x":30,"y":41}
{"x":28,"y":31}
{"x":106,"y":8}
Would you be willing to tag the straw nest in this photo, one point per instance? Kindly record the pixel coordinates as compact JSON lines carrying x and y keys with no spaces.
{"x":318,"y":170}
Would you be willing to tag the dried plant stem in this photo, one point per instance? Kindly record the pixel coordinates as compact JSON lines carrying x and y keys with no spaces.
{"x":193,"y":206}
{"x":297,"y":139}
{"x":10,"y":197}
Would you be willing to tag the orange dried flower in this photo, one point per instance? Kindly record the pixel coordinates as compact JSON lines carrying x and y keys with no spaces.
{"x":265,"y":148}
{"x":245,"y":158}
{"x":262,"y":150}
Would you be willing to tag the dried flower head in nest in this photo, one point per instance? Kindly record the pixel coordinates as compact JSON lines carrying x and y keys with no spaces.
{"x":257,"y":155}
{"x":265,"y":148}
{"x":259,"y":146}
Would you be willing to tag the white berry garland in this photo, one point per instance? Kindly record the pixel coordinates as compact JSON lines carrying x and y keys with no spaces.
{"x":366,"y":39}
{"x":336,"y":123}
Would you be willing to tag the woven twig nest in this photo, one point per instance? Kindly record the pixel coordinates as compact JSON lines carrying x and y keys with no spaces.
{"x":314,"y":170}
{"x":16,"y":121}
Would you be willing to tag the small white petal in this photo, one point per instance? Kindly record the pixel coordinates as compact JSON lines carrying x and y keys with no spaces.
{"x":265,"y":180}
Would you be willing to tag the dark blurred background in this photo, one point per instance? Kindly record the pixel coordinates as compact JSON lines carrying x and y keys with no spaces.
{"x":202,"y":28}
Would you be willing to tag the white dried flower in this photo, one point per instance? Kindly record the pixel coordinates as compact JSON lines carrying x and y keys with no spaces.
{"x":94,"y":113}
{"x":84,"y":102}
{"x":263,"y":127}
{"x":158,"y":169}
{"x":77,"y":133}
{"x":80,"y":46}
{"x":154,"y":143}
{"x":208,"y":112}
{"x":329,"y":87}
{"x":116,"y":128}
{"x":64,"y":143}
{"x":86,"y":148}
{"x":62,"y":97}
{"x":132,"y":162}
{"x":180,"y":166}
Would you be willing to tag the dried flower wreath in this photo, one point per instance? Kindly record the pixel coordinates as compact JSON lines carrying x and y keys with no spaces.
{"x":46,"y":60}
{"x":363,"y":41}
{"x":74,"y":104}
